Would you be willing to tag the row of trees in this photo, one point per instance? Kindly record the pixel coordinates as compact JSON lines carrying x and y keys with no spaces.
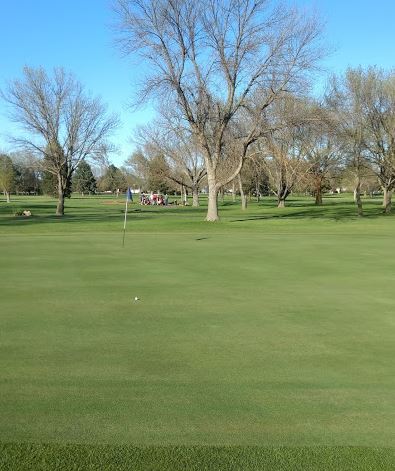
{"x":234,"y":74}
{"x":342,"y":140}
{"x":230,"y":79}
{"x":24,"y":174}
{"x":221,"y":66}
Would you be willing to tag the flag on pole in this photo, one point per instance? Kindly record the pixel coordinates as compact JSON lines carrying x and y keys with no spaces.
{"x":129,"y":197}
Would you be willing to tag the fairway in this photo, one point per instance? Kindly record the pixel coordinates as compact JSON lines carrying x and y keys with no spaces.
{"x":272,"y":328}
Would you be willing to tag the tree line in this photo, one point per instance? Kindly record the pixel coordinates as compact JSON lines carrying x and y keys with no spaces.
{"x":231,"y":81}
{"x":23,"y":174}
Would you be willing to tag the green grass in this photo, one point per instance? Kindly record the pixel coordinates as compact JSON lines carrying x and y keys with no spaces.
{"x":29,"y":457}
{"x":265,"y":340}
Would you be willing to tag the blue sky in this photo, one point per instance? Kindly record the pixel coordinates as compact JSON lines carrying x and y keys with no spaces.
{"x":76,"y":34}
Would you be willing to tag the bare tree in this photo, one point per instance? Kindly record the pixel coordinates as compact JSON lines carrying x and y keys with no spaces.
{"x":62,"y":124}
{"x":322,"y":158}
{"x":323,"y":148}
{"x":345,"y":99}
{"x":285,"y":165}
{"x":217,"y":58}
{"x":379,"y":112}
{"x":185,"y":163}
{"x":284,"y":149}
{"x":254,"y":176}
{"x":370,"y":94}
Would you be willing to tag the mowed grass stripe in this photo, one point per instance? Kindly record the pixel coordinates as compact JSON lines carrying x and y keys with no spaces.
{"x":26,"y":457}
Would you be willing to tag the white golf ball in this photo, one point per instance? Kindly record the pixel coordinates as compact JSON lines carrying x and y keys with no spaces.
{"x":136,"y":298}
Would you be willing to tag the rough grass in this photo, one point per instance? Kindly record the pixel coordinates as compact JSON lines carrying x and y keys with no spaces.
{"x":27,"y":457}
{"x":272,"y":329}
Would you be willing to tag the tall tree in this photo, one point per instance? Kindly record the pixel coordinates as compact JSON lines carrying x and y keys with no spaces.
{"x":284,"y":148}
{"x":112,"y":180}
{"x":27,"y":173}
{"x":50,"y":182}
{"x":345,"y":99}
{"x":151,"y":168}
{"x":254,"y":177}
{"x":138,"y":165}
{"x":7,"y":175}
{"x":379,"y":112}
{"x":63,"y":124}
{"x":369,"y":94}
{"x":324,"y":150}
{"x":217,"y":59}
{"x":84,"y":180}
{"x":184,"y":161}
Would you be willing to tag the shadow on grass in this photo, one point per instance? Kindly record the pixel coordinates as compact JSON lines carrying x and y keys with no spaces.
{"x":45,"y":213}
{"x":330,"y":210}
{"x":67,"y":218}
{"x":334,"y":208}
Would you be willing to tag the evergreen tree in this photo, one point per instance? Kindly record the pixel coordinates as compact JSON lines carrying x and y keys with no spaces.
{"x":83,"y":180}
{"x":112,"y":180}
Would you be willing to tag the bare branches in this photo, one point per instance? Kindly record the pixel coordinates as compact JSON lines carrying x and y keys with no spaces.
{"x":63,"y":124}
{"x":171,"y":139}
{"x":364,"y":101}
{"x":218,"y":60}
{"x":292,"y":148}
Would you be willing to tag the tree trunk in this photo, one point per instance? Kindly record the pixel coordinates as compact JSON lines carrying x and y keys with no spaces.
{"x":282,"y":196}
{"x":222,"y":193}
{"x":182,"y":194}
{"x":387,"y":201}
{"x":60,"y":206}
{"x":357,"y":197}
{"x":233,"y":191}
{"x":212,"y":210}
{"x":7,"y":193}
{"x":242,"y":194}
{"x":257,"y":192}
{"x":185,"y":196}
{"x":318,"y":192}
{"x":195,"y":197}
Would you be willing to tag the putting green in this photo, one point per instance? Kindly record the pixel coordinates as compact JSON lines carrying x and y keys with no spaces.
{"x":271,"y":328}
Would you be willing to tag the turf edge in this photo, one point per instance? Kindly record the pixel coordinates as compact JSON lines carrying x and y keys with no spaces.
{"x":40,"y":457}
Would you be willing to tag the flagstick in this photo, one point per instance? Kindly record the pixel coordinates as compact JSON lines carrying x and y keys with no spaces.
{"x":124,"y":223}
